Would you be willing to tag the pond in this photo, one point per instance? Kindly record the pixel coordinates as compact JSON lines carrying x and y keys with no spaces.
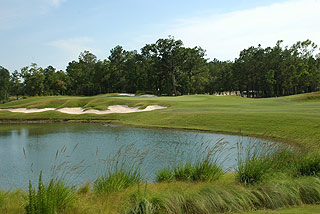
{"x":82,"y":152}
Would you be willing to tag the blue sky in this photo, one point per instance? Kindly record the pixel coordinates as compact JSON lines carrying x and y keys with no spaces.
{"x":54,"y":32}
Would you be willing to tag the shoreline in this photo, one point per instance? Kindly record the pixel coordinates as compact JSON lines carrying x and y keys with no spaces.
{"x":118,"y":122}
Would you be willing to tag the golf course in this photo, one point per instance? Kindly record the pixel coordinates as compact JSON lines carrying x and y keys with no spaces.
{"x":287,"y":188}
{"x":292,"y":119}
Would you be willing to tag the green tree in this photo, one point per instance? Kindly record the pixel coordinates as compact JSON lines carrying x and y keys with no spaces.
{"x":4,"y":83}
{"x":33,"y":80}
{"x":16,"y":87}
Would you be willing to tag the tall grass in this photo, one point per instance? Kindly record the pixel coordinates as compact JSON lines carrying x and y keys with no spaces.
{"x":253,"y":161}
{"x":195,"y":172}
{"x":53,"y":197}
{"x":258,"y":161}
{"x":116,"y":180}
{"x":2,"y":199}
{"x":205,"y":167}
{"x":273,"y":194}
{"x":309,"y":164}
{"x":121,"y":171}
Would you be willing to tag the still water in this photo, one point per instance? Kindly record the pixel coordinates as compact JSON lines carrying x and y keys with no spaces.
{"x":81,"y":152}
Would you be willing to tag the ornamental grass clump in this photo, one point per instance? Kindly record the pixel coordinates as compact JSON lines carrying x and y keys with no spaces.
{"x":197,"y":172}
{"x":254,"y":161}
{"x":116,"y":180}
{"x":122,"y":171}
{"x":205,"y":168}
{"x":309,"y":165}
{"x":277,"y":192}
{"x":51,"y":198}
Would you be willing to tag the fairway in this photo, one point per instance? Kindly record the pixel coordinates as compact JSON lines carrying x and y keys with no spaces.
{"x":293,"y":119}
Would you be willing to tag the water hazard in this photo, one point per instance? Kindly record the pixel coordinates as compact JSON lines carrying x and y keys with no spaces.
{"x":82,"y":152}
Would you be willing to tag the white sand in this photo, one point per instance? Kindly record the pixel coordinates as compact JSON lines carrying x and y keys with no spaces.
{"x":128,"y":95}
{"x":29,"y":110}
{"x":112,"y":109}
{"x":148,"y":95}
{"x":133,"y":95}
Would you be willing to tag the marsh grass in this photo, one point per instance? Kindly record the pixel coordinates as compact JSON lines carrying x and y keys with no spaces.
{"x":116,"y":180}
{"x":142,"y":203}
{"x":196,"y":172}
{"x":258,"y":159}
{"x":275,"y":193}
{"x":206,"y":166}
{"x":50,"y":198}
{"x":55,"y":194}
{"x":309,"y":164}
{"x":121,"y":171}
{"x":2,"y":199}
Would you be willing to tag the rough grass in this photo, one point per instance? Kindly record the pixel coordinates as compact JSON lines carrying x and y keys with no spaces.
{"x":293,"y":119}
{"x":116,"y":181}
{"x":204,"y":171}
{"x":223,"y":195}
{"x":54,"y":197}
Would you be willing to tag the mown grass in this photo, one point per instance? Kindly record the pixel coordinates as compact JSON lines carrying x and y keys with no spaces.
{"x":293,"y":119}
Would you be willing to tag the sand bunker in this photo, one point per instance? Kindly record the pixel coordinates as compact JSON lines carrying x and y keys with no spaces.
{"x":122,"y":109}
{"x":133,"y":95}
{"x":29,"y":110}
{"x":127,"y":95}
{"x":148,"y":95}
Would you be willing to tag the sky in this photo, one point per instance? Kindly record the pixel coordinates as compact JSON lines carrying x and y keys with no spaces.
{"x":54,"y":32}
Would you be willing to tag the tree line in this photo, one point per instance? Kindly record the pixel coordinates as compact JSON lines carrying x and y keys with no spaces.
{"x":166,"y":67}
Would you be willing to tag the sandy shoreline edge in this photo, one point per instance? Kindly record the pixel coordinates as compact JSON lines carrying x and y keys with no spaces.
{"x":122,"y":109}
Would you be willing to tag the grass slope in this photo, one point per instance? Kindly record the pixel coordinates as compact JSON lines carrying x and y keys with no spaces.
{"x":292,"y":119}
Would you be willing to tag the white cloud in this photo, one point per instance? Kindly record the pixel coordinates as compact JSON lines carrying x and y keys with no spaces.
{"x":15,"y":13}
{"x":55,"y":3}
{"x":225,"y":35}
{"x":71,"y":48}
{"x":72,"y":45}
